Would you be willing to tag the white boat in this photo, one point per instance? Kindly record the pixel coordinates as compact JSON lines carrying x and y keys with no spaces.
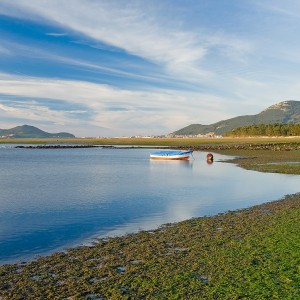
{"x":171,"y":155}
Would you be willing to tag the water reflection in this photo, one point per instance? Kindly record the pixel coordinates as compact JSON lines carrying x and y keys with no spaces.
{"x":173,"y":164}
{"x":54,"y":199}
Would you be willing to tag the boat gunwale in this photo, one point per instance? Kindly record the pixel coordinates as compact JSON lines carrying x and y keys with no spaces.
{"x":171,"y":155}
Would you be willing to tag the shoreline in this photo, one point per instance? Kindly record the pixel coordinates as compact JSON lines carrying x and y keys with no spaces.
{"x":267,"y":157}
{"x":213,"y":147}
{"x":169,"y":142}
{"x":225,"y":256}
{"x":244,"y":253}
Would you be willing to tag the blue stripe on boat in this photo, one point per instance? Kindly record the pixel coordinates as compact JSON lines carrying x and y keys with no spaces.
{"x":171,"y":152}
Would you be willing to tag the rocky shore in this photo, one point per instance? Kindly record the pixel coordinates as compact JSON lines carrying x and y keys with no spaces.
{"x":55,"y":146}
{"x":254,"y":146}
{"x":230,"y":146}
{"x":83,"y":146}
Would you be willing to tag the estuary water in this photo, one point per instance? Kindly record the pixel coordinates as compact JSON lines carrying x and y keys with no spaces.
{"x":52,"y":199}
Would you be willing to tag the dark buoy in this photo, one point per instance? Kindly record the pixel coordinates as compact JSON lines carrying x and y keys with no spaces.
{"x":209,"y":157}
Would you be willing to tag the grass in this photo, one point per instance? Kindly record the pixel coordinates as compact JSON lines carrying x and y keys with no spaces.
{"x":245,"y":254}
{"x":285,"y":162}
{"x":154,"y":141}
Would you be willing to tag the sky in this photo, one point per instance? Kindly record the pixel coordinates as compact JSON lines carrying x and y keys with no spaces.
{"x":144,"y":67}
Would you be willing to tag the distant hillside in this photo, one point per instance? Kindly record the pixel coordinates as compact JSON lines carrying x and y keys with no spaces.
{"x":286,"y":112}
{"x":27,"y":131}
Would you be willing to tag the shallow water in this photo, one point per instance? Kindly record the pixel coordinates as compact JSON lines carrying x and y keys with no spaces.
{"x":56,"y":198}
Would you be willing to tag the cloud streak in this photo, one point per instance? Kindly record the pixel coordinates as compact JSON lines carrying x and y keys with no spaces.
{"x":139,"y":29}
{"x":145,"y":67}
{"x":152,"y":112}
{"x":56,"y":34}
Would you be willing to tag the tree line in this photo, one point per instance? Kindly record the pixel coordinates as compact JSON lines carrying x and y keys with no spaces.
{"x":266,"y":130}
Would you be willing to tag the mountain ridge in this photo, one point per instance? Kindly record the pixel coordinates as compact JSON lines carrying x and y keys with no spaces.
{"x":285,"y":112}
{"x":27,"y":131}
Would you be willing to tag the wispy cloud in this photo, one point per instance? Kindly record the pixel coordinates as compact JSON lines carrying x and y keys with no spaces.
{"x":138,"y":28}
{"x":35,"y":113}
{"x":163,"y":64}
{"x":288,"y":8}
{"x":56,"y":34}
{"x":122,"y":69}
{"x":153,"y":112}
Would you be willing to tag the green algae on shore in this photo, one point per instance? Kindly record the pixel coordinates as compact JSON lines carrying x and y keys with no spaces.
{"x":244,"y":254}
{"x":285,"y":161}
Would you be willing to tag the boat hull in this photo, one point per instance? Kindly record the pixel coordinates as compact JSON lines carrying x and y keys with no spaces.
{"x":171,"y":155}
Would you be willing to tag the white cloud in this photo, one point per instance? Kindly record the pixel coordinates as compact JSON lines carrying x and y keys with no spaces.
{"x":238,"y":70}
{"x":35,"y":113}
{"x":121,"y":69}
{"x":122,"y":111}
{"x":139,"y":28}
{"x":7,"y":108}
{"x":127,"y":112}
{"x":56,"y":34}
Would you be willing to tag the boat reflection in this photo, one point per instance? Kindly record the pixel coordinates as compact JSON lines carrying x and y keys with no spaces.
{"x":171,"y":164}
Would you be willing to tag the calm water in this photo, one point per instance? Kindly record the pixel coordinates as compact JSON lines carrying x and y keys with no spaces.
{"x":53,"y":199}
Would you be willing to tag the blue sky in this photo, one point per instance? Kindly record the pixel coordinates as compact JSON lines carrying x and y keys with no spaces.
{"x":144,"y":67}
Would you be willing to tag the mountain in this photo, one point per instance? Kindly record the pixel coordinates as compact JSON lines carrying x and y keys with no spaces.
{"x":27,"y":131}
{"x":286,"y":112}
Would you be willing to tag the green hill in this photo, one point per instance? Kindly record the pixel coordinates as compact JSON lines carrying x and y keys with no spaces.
{"x":265,"y":130}
{"x":27,"y":131}
{"x":286,"y":112}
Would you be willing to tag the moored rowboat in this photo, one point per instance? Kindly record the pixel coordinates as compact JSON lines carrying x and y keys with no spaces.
{"x":171,"y":155}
